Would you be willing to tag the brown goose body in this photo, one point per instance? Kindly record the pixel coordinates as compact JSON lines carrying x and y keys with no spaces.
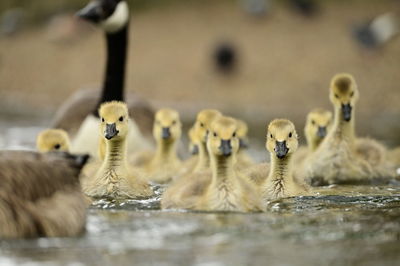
{"x":82,"y":103}
{"x":40,"y":195}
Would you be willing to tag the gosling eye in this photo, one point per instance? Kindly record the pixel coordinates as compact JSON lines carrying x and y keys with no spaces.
{"x":234,"y":135}
{"x":352,"y":94}
{"x":174,"y":122}
{"x":337,"y":96}
{"x":102,"y":119}
{"x":215,"y":134}
{"x":313,"y":122}
{"x":290,"y":134}
{"x":271,"y":136}
{"x":201,"y":124}
{"x":121,"y":119}
{"x":57,"y":146}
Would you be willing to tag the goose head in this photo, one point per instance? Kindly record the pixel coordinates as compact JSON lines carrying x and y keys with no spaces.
{"x":317,"y":125}
{"x":203,"y":122}
{"x":223,"y":140}
{"x":167,"y":125}
{"x":111,"y":15}
{"x":281,"y":138}
{"x":242,"y":134}
{"x":344,"y":94}
{"x":114,"y":120}
{"x":53,"y":140}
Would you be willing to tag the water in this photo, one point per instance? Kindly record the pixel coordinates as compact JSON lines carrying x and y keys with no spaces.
{"x":341,"y":226}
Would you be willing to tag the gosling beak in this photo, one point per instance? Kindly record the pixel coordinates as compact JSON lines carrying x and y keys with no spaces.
{"x":92,"y":12}
{"x":321,"y":132}
{"x":280,"y":149}
{"x":346,"y":111}
{"x":226,"y":148}
{"x":166,"y":133}
{"x":111,"y":131}
{"x":195,"y":150}
{"x":243,"y":144}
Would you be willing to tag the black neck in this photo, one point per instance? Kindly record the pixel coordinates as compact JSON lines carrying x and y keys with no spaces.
{"x":113,"y":85}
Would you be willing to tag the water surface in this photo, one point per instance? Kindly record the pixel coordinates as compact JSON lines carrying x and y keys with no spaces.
{"x":342,"y":226}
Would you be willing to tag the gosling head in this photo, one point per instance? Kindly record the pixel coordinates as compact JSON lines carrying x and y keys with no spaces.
{"x":193,"y":147}
{"x":111,"y":15}
{"x":344,"y":94}
{"x":52,"y":140}
{"x":203,"y":122}
{"x":242,"y":134}
{"x":167,"y":125}
{"x":317,"y":125}
{"x":223,"y":139}
{"x":114,"y":120}
{"x":281,"y":138}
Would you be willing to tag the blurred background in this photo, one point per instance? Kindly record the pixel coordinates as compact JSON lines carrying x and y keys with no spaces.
{"x":253,"y":59}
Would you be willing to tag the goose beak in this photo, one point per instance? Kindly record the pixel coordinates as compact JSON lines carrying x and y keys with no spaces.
{"x":111,"y":131}
{"x":321,"y":132}
{"x":226,"y":147}
{"x":280,"y":149}
{"x":166,"y":133}
{"x":92,"y":12}
{"x":194,"y":150}
{"x":346,"y":111}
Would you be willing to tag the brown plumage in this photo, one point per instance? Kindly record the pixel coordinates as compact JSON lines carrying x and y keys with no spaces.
{"x":40,"y":195}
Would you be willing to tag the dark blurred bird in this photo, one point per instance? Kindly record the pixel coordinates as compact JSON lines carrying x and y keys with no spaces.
{"x":225,"y":57}
{"x":378,"y":31}
{"x":305,"y":7}
{"x":40,"y":194}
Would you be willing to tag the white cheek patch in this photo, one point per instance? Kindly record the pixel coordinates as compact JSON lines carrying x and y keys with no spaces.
{"x":118,"y":19}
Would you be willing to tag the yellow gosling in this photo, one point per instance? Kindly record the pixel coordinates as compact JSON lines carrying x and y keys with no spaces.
{"x":115,"y":178}
{"x":223,"y":188}
{"x":337,"y":160}
{"x":52,"y":140}
{"x":318,"y":123}
{"x":164,"y":164}
{"x":243,"y":158}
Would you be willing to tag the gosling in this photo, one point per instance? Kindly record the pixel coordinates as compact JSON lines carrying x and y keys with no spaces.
{"x":115,"y":179}
{"x":164,"y":164}
{"x":243,"y":158}
{"x":53,"y":140}
{"x":40,"y":195}
{"x":222,"y":189}
{"x":277,"y":180}
{"x":337,"y":161}
{"x":318,"y":123}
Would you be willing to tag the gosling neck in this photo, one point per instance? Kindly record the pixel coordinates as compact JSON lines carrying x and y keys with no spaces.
{"x":166,"y":151}
{"x":204,"y":159}
{"x":344,"y":129}
{"x":280,"y":168}
{"x":115,"y":154}
{"x":222,"y":167}
{"x":114,"y":78}
{"x":313,"y":143}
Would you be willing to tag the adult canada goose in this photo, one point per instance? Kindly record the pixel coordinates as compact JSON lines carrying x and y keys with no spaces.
{"x":114,"y":178}
{"x":222,"y":189}
{"x":78,"y":115}
{"x":339,"y":160}
{"x":52,"y":140}
{"x":40,"y":195}
{"x":163,"y":164}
